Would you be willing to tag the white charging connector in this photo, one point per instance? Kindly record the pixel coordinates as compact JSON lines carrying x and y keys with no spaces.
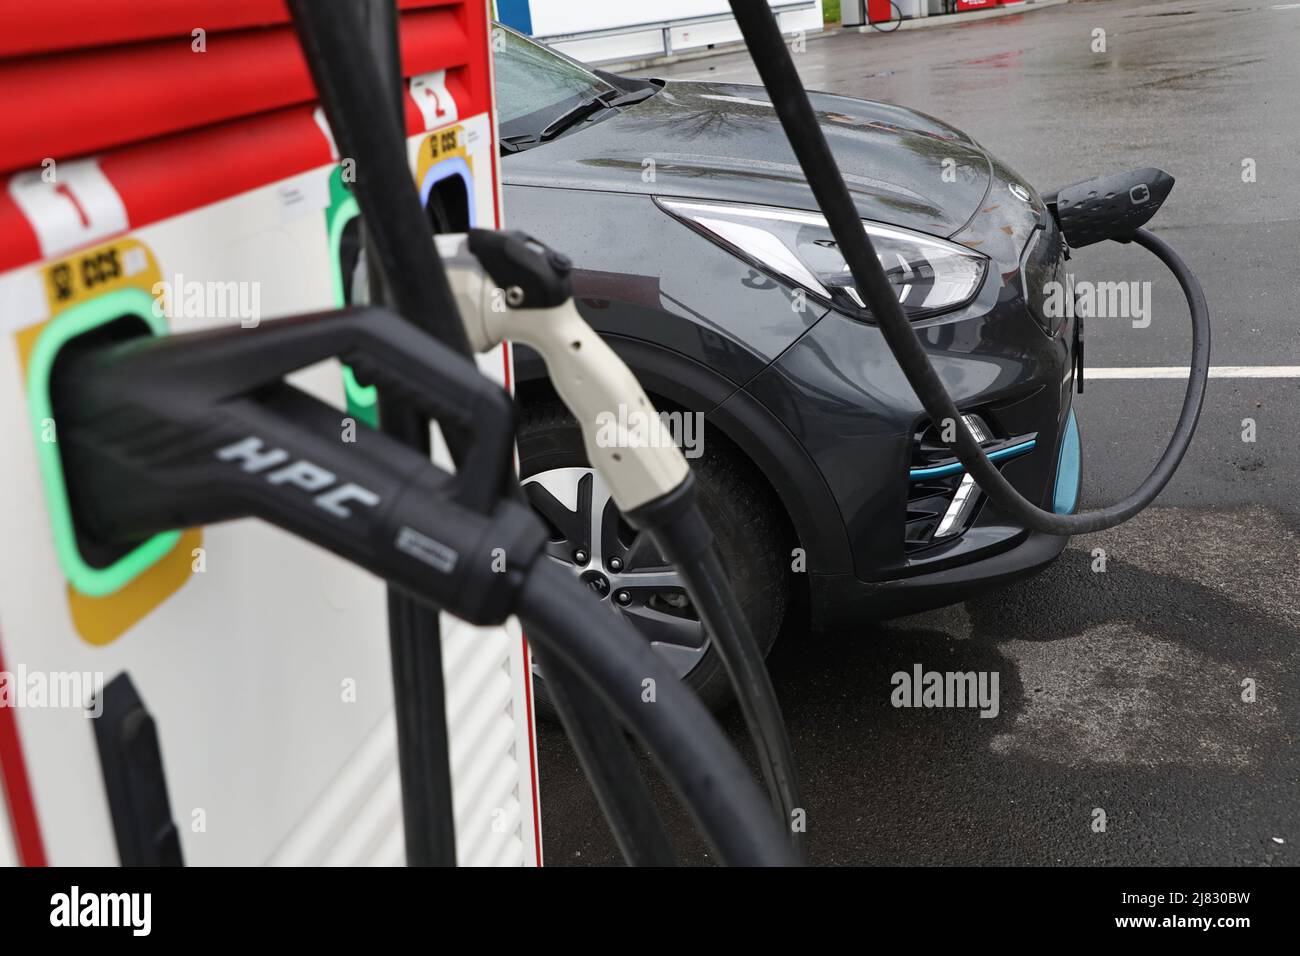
{"x":596,"y":385}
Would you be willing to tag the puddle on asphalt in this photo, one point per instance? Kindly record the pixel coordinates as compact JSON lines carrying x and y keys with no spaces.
{"x":1116,"y":695}
{"x":1144,"y":664}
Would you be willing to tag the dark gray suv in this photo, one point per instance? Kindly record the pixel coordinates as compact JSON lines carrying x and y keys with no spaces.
{"x":702,"y":259}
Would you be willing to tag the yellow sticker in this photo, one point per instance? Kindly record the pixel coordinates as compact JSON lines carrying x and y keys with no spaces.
{"x":439,"y":145}
{"x":123,"y":264}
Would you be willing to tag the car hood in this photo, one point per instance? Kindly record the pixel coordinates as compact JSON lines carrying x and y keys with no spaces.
{"x":724,"y":142}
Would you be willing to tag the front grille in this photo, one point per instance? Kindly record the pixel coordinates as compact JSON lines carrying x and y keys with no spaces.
{"x":935,"y":476}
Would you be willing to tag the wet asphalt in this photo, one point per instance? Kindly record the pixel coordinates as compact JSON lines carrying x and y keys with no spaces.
{"x":1121,"y":690}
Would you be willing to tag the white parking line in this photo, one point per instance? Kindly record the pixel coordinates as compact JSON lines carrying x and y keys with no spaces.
{"x":1181,"y":371}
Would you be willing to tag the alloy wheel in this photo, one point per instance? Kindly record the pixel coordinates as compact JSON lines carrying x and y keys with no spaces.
{"x":621,"y":565}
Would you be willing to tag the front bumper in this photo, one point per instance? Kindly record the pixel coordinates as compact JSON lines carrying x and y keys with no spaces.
{"x":840,"y":393}
{"x":841,"y":600}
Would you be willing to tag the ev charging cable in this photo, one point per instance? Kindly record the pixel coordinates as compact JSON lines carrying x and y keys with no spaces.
{"x":348,"y":78}
{"x":790,"y":100}
{"x":509,"y":286}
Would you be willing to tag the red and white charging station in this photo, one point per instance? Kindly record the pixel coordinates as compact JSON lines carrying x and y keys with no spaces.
{"x":167,"y":158}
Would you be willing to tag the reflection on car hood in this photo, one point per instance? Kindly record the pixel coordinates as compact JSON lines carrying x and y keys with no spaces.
{"x":724,"y":142}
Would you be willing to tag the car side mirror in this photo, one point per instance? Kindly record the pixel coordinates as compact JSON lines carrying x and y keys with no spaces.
{"x":1109,"y":207}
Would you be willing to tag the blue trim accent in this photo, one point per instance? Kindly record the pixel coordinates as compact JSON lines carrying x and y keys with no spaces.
{"x":1068,"y":470}
{"x":956,"y":468}
{"x":516,"y":15}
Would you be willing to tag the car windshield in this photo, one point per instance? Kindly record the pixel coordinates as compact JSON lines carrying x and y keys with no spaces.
{"x":534,"y":85}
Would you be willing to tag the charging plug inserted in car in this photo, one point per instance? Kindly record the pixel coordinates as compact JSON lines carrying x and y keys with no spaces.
{"x":1111,"y":207}
{"x":509,"y":286}
{"x":158,"y":433}
{"x":1108,"y":208}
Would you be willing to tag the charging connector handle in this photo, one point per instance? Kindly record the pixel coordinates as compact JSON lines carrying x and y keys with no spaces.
{"x":535,"y":308}
{"x":187,"y":430}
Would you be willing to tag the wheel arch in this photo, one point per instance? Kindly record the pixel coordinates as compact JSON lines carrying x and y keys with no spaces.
{"x":804,"y":501}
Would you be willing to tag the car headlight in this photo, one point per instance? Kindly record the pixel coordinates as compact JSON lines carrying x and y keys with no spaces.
{"x":929,"y":275}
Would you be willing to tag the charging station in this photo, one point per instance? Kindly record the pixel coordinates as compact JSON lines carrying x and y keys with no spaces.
{"x":218,"y":695}
{"x":222,"y":341}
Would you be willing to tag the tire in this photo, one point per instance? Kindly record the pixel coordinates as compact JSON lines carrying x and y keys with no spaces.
{"x":559,"y":482}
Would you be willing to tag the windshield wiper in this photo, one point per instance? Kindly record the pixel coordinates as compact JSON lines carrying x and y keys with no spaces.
{"x":519,"y":142}
{"x":609,"y":99}
{"x":576,"y":114}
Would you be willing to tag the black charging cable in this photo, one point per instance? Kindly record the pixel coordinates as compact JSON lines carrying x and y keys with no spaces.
{"x":606,"y":761}
{"x":636,"y":685}
{"x":346,"y":78}
{"x":790,"y":100}
{"x":357,"y":72}
{"x":677,"y":526}
{"x":351,"y":89}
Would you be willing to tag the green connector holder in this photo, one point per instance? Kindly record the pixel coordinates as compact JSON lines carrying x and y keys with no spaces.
{"x":77,"y":321}
{"x":363,"y":400}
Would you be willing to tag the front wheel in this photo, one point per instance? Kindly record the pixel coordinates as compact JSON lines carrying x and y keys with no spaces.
{"x":625,"y":570}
